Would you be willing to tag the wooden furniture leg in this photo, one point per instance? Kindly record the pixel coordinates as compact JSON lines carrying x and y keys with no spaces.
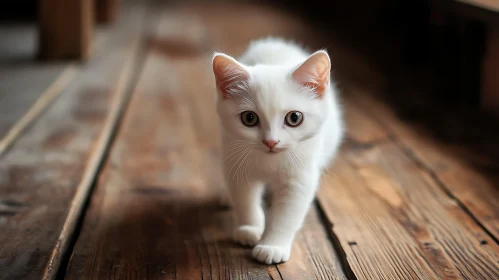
{"x":107,"y":10}
{"x":65,"y":28}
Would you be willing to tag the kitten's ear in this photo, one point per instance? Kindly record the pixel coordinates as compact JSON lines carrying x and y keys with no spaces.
{"x":230,"y":75}
{"x":314,"y":73}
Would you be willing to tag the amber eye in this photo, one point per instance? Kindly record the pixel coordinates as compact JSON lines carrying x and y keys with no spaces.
{"x":294,"y":118}
{"x":249,"y":118}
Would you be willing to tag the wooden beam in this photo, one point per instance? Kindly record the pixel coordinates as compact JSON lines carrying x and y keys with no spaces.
{"x":107,"y":10}
{"x":65,"y":29}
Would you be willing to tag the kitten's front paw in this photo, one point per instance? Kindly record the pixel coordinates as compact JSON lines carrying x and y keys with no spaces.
{"x":247,"y":235}
{"x":271,"y":254}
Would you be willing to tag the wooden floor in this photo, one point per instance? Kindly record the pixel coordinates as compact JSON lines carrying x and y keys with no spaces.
{"x":119,"y":177}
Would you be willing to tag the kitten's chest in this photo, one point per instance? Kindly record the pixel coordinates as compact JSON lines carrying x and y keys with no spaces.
{"x":272,"y":169}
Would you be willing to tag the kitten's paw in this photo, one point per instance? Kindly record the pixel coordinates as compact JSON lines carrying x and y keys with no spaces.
{"x":247,"y":235}
{"x":271,"y":254}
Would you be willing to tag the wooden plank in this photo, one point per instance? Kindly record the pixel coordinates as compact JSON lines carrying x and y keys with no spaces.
{"x":107,"y":10}
{"x":181,"y":231}
{"x":40,"y":174}
{"x":450,"y":165}
{"x":65,"y":28}
{"x":313,"y":255}
{"x":155,"y":211}
{"x":371,"y":131}
{"x":94,"y":161}
{"x":394,"y":221}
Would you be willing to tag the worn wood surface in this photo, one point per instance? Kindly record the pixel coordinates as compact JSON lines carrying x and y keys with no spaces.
{"x":77,"y":206}
{"x":40,"y":174}
{"x":435,"y":198}
{"x":394,"y":221}
{"x":454,"y":145}
{"x":449,"y":165}
{"x":155,"y":213}
{"x":65,"y":28}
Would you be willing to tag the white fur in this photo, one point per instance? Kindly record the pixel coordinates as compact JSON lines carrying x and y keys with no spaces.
{"x":292,"y":175}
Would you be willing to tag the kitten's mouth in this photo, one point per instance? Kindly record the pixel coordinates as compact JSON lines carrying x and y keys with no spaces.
{"x":271,"y":152}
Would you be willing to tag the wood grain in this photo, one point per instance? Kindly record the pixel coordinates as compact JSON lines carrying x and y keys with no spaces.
{"x":83,"y":189}
{"x":40,"y":174}
{"x":448,"y":164}
{"x":65,"y":28}
{"x":394,"y":221}
{"x":313,"y":255}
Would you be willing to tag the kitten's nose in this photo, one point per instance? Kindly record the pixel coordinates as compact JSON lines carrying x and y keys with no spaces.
{"x":270,"y":143}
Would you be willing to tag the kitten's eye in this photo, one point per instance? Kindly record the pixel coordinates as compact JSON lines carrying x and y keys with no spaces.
{"x":294,"y":118}
{"x":249,"y":118}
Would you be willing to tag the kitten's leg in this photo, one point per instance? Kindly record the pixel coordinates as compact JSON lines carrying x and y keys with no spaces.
{"x":287,"y":212}
{"x":250,"y":219}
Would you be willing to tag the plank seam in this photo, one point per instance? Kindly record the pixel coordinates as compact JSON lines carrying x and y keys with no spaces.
{"x":420,"y":164}
{"x":278,"y":271}
{"x":123,"y":91}
{"x":41,"y":104}
{"x":335,"y":241}
{"x":393,"y":137}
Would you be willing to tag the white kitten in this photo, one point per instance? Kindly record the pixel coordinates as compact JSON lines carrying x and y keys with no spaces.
{"x":281,"y":126}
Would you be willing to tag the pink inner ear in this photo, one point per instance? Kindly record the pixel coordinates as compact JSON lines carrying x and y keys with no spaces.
{"x":229,"y":75}
{"x":314,"y":72}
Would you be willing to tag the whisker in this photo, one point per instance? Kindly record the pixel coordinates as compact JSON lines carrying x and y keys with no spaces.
{"x":296,"y":158}
{"x":235,"y":153}
{"x":239,"y":166}
{"x":246,"y":169}
{"x":240,"y":156}
{"x":299,"y":158}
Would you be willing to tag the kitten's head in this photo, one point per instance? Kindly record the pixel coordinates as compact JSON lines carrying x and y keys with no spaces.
{"x":272,"y":108}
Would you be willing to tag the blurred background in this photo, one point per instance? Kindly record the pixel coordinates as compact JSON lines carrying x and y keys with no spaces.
{"x":435,"y":52}
{"x":454,"y":39}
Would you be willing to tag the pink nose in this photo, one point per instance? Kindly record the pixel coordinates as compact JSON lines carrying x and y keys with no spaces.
{"x":270,"y":143}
